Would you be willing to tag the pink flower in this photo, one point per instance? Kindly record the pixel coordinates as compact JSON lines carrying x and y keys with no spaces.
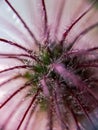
{"x":48,"y":65}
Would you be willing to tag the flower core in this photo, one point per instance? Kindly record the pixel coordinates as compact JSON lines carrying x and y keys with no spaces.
{"x":59,"y":79}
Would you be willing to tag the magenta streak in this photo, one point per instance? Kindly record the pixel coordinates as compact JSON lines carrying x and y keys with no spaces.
{"x":17,"y":56}
{"x":10,"y":79}
{"x":25,"y":25}
{"x":15,"y":44}
{"x":30,"y":116}
{"x":45,"y":14}
{"x":21,"y":88}
{"x":81,"y":52}
{"x":50,"y":116}
{"x":12,"y":113}
{"x":13,"y":57}
{"x":15,"y":67}
{"x":85,"y":112}
{"x":63,"y":123}
{"x":74,"y":116}
{"x":28,"y":108}
{"x":85,"y":31}
{"x":75,"y":22}
{"x":88,"y":65}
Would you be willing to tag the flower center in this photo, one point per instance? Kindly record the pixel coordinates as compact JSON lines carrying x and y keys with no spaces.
{"x":45,"y":75}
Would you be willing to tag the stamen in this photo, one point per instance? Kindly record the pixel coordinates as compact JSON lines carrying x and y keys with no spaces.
{"x":44,"y":87}
{"x":75,"y":79}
